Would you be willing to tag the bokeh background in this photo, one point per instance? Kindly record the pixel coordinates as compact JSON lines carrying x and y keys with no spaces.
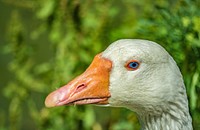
{"x":46,"y":43}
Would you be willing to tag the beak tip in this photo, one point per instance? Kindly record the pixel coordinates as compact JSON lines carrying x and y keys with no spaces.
{"x":49,"y":103}
{"x":51,"y":100}
{"x":55,"y":98}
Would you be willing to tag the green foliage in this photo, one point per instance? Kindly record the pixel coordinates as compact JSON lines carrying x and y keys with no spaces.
{"x":48,"y":42}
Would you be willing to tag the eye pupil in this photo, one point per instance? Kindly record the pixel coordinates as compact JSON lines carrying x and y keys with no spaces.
{"x":133,"y":65}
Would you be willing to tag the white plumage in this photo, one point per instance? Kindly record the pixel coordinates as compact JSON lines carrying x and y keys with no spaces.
{"x":155,"y":91}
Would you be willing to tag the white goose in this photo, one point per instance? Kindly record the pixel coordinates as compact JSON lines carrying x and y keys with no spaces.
{"x":137,"y":74}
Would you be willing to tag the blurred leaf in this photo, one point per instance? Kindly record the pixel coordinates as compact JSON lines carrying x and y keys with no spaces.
{"x":193,"y":93}
{"x":47,"y":8}
{"x":196,"y":23}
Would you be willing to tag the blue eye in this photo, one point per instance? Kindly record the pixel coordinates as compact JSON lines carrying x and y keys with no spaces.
{"x":132,"y":65}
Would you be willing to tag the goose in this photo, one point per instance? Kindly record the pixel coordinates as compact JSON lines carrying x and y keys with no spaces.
{"x":136,"y":74}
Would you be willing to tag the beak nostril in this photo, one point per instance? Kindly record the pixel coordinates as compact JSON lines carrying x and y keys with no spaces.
{"x":80,"y":87}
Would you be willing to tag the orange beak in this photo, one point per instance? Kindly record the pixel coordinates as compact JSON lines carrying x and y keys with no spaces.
{"x":91,"y":87}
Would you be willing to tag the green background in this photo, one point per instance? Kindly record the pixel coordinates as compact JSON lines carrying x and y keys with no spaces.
{"x":46,"y":43}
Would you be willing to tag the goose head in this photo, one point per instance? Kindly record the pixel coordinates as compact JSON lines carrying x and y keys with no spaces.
{"x":136,"y":74}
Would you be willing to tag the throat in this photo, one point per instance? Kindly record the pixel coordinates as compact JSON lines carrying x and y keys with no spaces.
{"x":166,"y":121}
